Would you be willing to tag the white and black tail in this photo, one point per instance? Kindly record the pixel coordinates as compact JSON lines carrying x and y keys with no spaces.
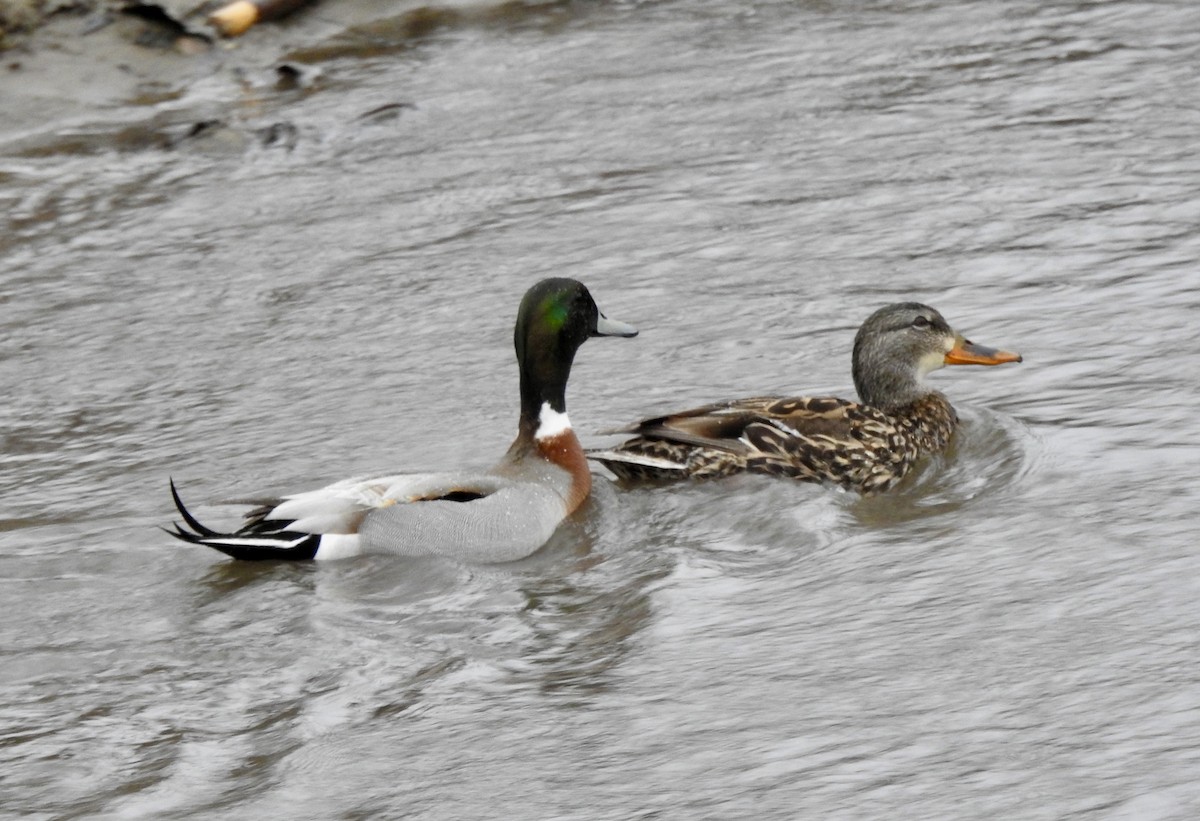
{"x":259,"y":539}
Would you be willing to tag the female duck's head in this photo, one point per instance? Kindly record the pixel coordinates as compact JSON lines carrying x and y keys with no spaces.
{"x":556,"y":317}
{"x":900,"y":344}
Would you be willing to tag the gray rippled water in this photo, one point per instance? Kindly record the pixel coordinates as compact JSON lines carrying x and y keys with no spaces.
{"x":1013,"y":634}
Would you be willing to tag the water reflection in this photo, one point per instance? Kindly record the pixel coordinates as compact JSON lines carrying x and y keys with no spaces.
{"x":581,"y":634}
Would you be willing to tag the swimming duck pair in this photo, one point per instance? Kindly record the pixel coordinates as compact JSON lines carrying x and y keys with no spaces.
{"x":512,"y":509}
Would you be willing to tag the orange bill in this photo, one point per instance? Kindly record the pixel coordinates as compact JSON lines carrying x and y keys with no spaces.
{"x":966,"y":352}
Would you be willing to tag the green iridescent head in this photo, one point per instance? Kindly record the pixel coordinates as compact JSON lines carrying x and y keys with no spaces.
{"x":554,"y":312}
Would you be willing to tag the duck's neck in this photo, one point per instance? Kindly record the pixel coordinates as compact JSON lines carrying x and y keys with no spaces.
{"x":548,"y":435}
{"x":890,"y":393}
{"x":544,"y":430}
{"x":543,"y":402}
{"x":886,"y":384}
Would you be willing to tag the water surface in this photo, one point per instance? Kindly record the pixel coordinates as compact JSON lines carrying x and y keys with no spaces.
{"x":323,"y":284}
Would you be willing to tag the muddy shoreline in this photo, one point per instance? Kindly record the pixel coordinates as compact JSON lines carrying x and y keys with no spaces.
{"x":115,"y":76}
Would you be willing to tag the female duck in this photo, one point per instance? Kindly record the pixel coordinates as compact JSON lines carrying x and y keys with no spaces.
{"x":866,"y":446}
{"x":501,"y":514}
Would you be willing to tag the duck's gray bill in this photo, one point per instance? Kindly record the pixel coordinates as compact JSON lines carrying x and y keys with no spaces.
{"x":613,"y":327}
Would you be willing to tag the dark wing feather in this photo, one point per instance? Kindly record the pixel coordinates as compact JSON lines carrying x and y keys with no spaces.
{"x":723,"y":424}
{"x":809,"y":438}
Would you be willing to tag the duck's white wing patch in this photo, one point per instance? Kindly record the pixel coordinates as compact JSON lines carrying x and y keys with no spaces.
{"x":340,"y":507}
{"x":337,"y":508}
{"x":416,"y":487}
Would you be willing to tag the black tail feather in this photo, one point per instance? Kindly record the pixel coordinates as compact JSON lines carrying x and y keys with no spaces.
{"x":179,"y":533}
{"x":259,"y":540}
{"x":190,"y":520}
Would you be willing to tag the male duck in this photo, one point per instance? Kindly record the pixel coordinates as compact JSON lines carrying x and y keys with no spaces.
{"x":501,"y":514}
{"x":866,"y":446}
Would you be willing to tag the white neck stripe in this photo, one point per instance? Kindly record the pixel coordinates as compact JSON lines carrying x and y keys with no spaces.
{"x":551,"y":423}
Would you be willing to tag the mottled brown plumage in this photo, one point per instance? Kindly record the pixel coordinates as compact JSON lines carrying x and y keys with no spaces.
{"x":865,"y":446}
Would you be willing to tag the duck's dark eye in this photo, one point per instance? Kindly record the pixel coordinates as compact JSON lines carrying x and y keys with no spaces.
{"x":921,"y":322}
